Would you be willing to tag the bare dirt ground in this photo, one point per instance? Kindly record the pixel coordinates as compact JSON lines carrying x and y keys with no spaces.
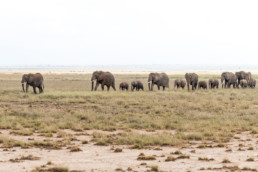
{"x":103,"y":158}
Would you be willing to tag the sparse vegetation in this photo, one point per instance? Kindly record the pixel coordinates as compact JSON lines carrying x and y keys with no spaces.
{"x":190,"y":115}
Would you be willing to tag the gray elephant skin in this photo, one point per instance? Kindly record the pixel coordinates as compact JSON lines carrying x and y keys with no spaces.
{"x":137,"y":85}
{"x":191,"y":79}
{"x":103,"y":79}
{"x":34,"y":80}
{"x":159,"y":79}
{"x":243,"y":83}
{"x":228,"y":79}
{"x":202,"y":84}
{"x":179,"y":83}
{"x":124,"y":86}
{"x":242,"y":75}
{"x":252,"y":83}
{"x":213,"y":83}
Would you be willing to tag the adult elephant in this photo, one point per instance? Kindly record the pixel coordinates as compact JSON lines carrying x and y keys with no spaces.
{"x":103,"y":79}
{"x":191,"y":79}
{"x":179,"y":83}
{"x":159,"y":79}
{"x":213,"y":83}
{"x":34,"y":80}
{"x":242,"y":75}
{"x":228,"y":79}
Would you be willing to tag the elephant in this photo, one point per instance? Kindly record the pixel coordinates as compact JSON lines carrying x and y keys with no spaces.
{"x":252,"y":83}
{"x":191,"y":79}
{"x":179,"y":83}
{"x":243,"y":83}
{"x":124,"y":86}
{"x":228,"y":79}
{"x":202,"y":84}
{"x":242,"y":75}
{"x":213,"y":83}
{"x":159,"y":79}
{"x":137,"y":85}
{"x":34,"y":80}
{"x":103,"y":78}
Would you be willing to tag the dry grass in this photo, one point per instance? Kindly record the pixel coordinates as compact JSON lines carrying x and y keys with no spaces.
{"x":203,"y":115}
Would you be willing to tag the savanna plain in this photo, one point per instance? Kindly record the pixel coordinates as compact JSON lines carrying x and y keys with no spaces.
{"x":70,"y":128}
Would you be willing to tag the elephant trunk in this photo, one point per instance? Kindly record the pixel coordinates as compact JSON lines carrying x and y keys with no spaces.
{"x":149,"y":86}
{"x":92,"y":85}
{"x":23,"y":87}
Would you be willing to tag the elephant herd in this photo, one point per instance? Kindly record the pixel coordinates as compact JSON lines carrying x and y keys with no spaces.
{"x":161,"y":80}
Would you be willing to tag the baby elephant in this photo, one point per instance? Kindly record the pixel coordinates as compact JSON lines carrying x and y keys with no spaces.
{"x":202,"y":84}
{"x":179,"y":83}
{"x":137,"y":85}
{"x":252,"y":83}
{"x":243,"y":83}
{"x":213,"y":83}
{"x":124,"y":86}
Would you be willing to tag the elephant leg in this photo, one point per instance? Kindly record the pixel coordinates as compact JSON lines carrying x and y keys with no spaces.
{"x":114,"y":88}
{"x":158,"y":87}
{"x":97,"y":85}
{"x":34,"y":89}
{"x":102,"y":87}
{"x":163,"y":88}
{"x":27,"y":87}
{"x":108,"y":87}
{"x":40,"y":90}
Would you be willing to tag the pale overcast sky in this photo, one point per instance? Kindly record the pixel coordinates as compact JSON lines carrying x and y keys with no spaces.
{"x":105,"y":32}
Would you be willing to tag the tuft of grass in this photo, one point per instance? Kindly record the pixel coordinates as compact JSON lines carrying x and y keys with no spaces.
{"x":250,"y":159}
{"x":154,"y":168}
{"x":23,"y":158}
{"x":225,"y":160}
{"x":170,"y":158}
{"x":182,"y":156}
{"x":75,"y":149}
{"x":142,"y":156}
{"x":205,"y":159}
{"x":176,"y":152}
{"x":54,"y":169}
{"x":85,"y":142}
{"x":248,"y":169}
{"x":118,"y":150}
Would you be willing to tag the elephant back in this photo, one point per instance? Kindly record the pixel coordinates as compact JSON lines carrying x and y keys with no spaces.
{"x":107,"y":77}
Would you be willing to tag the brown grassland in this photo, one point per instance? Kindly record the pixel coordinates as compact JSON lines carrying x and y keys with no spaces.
{"x":68,"y":115}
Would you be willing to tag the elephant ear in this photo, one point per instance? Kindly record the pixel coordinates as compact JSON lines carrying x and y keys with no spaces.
{"x":30,"y":78}
{"x":186,"y":76}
